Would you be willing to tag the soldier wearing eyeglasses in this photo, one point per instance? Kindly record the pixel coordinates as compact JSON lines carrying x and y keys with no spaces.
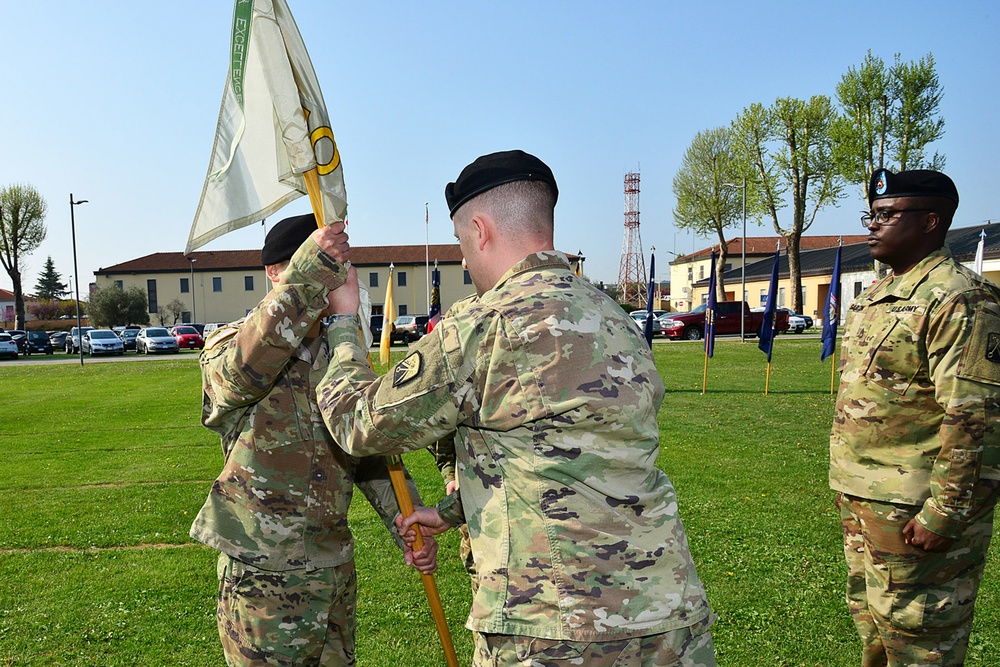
{"x":915,"y":446}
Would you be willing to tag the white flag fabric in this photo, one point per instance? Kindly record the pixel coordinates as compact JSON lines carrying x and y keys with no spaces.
{"x":979,"y":253}
{"x":273,"y":127}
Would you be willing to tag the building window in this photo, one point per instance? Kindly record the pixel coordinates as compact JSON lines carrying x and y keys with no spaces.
{"x":690,"y":273}
{"x":247,"y":283}
{"x":466,"y":278}
{"x":185,"y":286}
{"x":701,"y":272}
{"x":217,"y":284}
{"x":120,"y":285}
{"x":858,"y":289}
{"x":186,"y":316}
{"x":728,"y":266}
{"x":401,"y":281}
{"x":151,"y":295}
{"x":763,"y":297}
{"x":781,"y":297}
{"x":402,"y":309}
{"x":373,"y":279}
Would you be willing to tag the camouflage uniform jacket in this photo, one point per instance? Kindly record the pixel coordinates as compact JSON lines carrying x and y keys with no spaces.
{"x":553,"y":395}
{"x":917,"y":416}
{"x":281,"y":500}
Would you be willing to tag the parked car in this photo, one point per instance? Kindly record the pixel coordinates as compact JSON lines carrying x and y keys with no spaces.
{"x":728,"y":318}
{"x":797,"y":323}
{"x":197,"y":325}
{"x":8,"y":348}
{"x":640,"y":316}
{"x":187,"y":337}
{"x":102,"y":341}
{"x":58,"y":339}
{"x":408,"y":328}
{"x":212,"y":326}
{"x":376,"y":328}
{"x":73,"y":339}
{"x":155,"y":339}
{"x":20,"y":339}
{"x":38,"y":341}
{"x":128,"y":334}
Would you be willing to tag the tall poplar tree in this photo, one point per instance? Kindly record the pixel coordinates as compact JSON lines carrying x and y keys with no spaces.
{"x":788,"y":150}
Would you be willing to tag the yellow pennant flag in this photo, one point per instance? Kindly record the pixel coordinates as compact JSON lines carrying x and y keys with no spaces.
{"x":387,"y":317}
{"x":273,"y":129}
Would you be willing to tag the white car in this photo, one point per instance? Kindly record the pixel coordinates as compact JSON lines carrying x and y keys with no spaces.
{"x":639,"y":317}
{"x":8,"y":348}
{"x":102,"y":341}
{"x":155,"y":339}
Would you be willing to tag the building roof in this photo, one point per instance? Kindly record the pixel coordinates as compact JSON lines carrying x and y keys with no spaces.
{"x":221,"y":260}
{"x":765,"y":245}
{"x":6,"y":295}
{"x":856,"y":256}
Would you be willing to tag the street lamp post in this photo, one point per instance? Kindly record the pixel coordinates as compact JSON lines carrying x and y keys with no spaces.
{"x":194,"y":310}
{"x":76,"y":274}
{"x":743,"y":255}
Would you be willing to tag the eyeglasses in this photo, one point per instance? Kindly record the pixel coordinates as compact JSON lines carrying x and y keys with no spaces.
{"x":883,"y":218}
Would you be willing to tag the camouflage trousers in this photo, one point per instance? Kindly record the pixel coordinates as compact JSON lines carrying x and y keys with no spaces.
{"x":286,"y":618}
{"x":465,"y":554}
{"x":912,"y":608}
{"x":685,"y":647}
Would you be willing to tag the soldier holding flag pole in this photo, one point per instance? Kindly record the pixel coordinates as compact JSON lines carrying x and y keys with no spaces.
{"x":286,"y":571}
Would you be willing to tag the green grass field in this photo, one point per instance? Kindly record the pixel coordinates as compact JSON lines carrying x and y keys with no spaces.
{"x":103,"y":468}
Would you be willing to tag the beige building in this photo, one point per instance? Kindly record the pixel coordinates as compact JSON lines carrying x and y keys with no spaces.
{"x":688,"y":270}
{"x":223,"y":285}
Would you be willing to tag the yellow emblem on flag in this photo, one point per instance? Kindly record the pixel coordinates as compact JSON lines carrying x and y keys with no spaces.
{"x":407,"y":369}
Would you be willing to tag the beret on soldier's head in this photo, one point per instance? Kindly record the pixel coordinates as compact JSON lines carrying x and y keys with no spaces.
{"x":489,"y":171}
{"x":286,"y":237}
{"x":915,"y":183}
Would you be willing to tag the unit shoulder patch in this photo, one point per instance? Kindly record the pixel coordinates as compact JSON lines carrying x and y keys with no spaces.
{"x":407,"y":369}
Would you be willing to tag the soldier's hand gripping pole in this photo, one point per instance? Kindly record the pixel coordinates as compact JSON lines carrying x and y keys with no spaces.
{"x":399,"y":486}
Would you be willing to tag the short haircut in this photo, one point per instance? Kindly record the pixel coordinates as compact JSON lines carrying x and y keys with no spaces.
{"x":518,"y":207}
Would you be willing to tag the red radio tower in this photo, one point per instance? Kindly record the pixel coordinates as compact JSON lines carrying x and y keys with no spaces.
{"x":632,"y":272}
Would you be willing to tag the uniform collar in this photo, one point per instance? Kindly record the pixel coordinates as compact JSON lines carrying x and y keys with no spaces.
{"x":544,"y":259}
{"x":904,"y":286}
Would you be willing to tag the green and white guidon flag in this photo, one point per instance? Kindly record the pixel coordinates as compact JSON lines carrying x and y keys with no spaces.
{"x":273,"y":127}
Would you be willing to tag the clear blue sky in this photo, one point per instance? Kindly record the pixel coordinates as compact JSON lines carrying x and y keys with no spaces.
{"x":117,"y":103}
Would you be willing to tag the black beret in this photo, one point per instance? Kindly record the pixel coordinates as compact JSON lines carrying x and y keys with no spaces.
{"x":489,"y":171}
{"x":286,"y":237}
{"x":915,"y":183}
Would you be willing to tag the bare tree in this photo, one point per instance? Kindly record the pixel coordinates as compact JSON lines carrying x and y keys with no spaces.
{"x":22,"y":230}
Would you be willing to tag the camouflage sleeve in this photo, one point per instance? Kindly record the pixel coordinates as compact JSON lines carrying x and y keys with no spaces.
{"x":240,"y":365}
{"x":419,"y":401}
{"x":372,"y":477}
{"x":443,"y":452}
{"x":967,"y":387}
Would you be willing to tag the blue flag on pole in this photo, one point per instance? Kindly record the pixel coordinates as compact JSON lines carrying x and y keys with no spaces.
{"x":766,"y":333}
{"x":831,"y":311}
{"x":649,"y":302}
{"x":710,"y":308}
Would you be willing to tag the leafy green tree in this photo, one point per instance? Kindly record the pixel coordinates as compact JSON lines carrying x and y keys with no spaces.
{"x":707,"y":200}
{"x":50,"y":286}
{"x":787,"y":151}
{"x":888,"y":116}
{"x":22,"y":230}
{"x":112,"y":307}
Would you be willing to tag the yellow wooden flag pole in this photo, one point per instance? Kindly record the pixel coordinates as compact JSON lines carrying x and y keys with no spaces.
{"x":704,"y":376}
{"x":767,"y":378}
{"x":833,"y":369}
{"x":395,"y":465}
{"x":398,"y":477}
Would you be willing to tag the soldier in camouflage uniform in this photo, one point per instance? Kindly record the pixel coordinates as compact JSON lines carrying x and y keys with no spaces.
{"x":552,"y":396}
{"x":278,"y":511}
{"x":915,"y":447}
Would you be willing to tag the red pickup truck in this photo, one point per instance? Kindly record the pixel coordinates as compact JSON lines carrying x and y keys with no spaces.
{"x":691,"y":326}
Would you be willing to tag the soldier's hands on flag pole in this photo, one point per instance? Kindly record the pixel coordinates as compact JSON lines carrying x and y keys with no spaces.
{"x":333,"y":240}
{"x":425,"y":558}
{"x":346,"y":298}
{"x":430,"y":522}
